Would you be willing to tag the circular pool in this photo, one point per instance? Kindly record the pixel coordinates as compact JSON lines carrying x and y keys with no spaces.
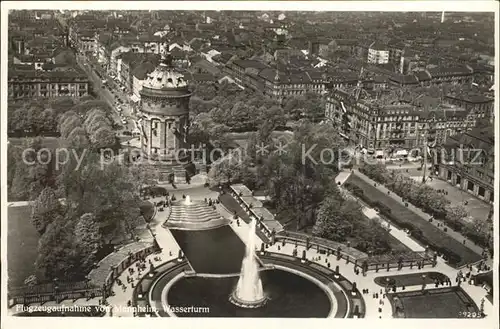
{"x":290,"y":295}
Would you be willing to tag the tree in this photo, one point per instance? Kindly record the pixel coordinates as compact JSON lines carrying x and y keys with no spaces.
{"x":84,"y":107}
{"x":225,"y":169}
{"x":69,"y":124}
{"x":88,"y":239}
{"x":331,"y":222}
{"x":96,"y":124}
{"x":62,"y":105}
{"x":297,"y":184}
{"x":48,"y":121}
{"x":103,"y":137}
{"x":95,"y":115}
{"x":456,"y":213}
{"x":44,"y":209}
{"x":34,"y":118}
{"x":371,"y":237}
{"x":204,"y":91}
{"x":18,"y":121}
{"x":77,"y":139}
{"x":109,"y":192}
{"x":145,"y":174}
{"x":309,"y":105}
{"x":65,"y":116}
{"x":377,"y":172}
{"x":57,"y":256}
{"x":32,"y":175}
{"x":14,"y":156}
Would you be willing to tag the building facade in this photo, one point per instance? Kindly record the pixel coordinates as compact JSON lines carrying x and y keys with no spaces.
{"x":378,"y":53}
{"x":28,"y":84}
{"x":473,"y":172}
{"x":369,"y":122}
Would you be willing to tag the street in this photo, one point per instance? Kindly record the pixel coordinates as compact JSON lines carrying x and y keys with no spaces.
{"x":110,"y":92}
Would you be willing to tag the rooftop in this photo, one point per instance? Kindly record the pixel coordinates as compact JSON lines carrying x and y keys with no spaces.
{"x":377,"y":45}
{"x":68,"y":74}
{"x":164,"y":77}
{"x":470,"y":97}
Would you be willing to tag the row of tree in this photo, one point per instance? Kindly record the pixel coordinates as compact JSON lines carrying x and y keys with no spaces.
{"x":421,"y":195}
{"x":432,"y":202}
{"x":83,"y":125}
{"x":94,"y":131}
{"x":40,"y":117}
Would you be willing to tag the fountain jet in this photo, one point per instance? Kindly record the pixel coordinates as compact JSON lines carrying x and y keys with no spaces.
{"x":249,"y":292}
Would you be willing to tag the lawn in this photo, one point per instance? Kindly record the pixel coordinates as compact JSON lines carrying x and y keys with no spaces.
{"x":407,"y":280}
{"x":405,"y":215}
{"x":435,"y":303}
{"x":22,"y":245}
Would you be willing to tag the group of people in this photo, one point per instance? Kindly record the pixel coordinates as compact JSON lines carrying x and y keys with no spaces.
{"x":211,"y":202}
{"x":442,"y":191}
{"x":441,"y":282}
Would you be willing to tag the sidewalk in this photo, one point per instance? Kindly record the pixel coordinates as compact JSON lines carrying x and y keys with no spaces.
{"x":477,"y":208}
{"x":367,"y":282}
{"x":455,"y":235}
{"x":395,"y":232}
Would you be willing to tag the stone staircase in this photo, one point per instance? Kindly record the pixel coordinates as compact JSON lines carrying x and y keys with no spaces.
{"x":196,"y":215}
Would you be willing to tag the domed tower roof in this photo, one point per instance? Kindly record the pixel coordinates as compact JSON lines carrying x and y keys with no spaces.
{"x":164,"y":79}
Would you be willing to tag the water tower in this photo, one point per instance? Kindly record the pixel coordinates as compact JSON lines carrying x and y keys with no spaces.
{"x":164,"y":113}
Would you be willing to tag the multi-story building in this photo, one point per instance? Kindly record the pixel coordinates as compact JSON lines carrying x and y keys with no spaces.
{"x":87,"y":42}
{"x":456,"y":75}
{"x":474,"y":101}
{"x":378,"y":53}
{"x":281,"y":85}
{"x":139,"y":74}
{"x":113,"y":51}
{"x":469,"y":162}
{"x":366,"y":120}
{"x":29,"y":84}
{"x":410,"y":62}
{"x":347,"y":45}
{"x":395,"y":53}
{"x":127,"y":64}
